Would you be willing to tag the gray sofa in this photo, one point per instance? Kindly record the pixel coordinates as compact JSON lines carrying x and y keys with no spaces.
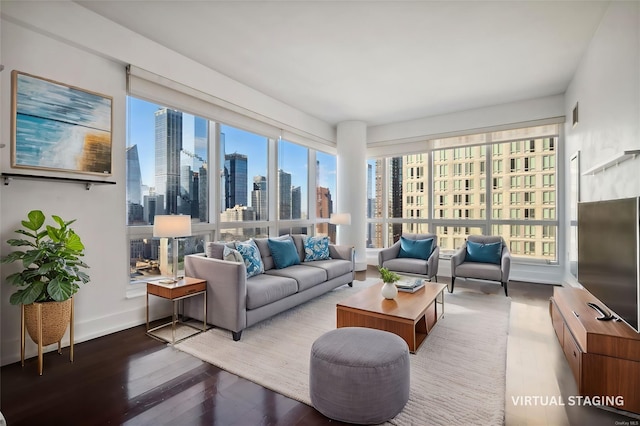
{"x":235,"y":302}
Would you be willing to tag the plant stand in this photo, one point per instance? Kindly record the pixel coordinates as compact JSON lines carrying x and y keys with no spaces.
{"x":40,"y":354}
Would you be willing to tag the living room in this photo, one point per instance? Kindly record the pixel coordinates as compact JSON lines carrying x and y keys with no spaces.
{"x":69,"y":42}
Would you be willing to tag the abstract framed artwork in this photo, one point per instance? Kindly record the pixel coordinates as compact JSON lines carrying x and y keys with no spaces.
{"x":58,"y":127}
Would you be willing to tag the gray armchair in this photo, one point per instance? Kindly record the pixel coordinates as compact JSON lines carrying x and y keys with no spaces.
{"x":462,"y":267}
{"x":388,"y":258}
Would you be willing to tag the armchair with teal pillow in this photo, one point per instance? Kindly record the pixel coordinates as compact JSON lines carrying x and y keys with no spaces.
{"x":413,"y":254}
{"x":482,"y":257}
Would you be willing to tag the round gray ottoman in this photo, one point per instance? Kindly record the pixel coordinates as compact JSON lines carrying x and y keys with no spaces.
{"x":359,"y":375}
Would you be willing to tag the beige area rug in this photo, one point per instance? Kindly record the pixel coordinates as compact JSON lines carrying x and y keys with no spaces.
{"x":457,"y":375}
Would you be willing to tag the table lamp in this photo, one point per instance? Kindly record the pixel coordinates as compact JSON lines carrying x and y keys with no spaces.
{"x":174,"y":227}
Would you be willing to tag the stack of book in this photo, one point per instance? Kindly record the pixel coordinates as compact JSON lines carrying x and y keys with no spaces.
{"x":410,"y":286}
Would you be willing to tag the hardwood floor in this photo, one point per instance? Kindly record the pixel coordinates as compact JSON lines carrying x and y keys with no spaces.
{"x":129,"y":378}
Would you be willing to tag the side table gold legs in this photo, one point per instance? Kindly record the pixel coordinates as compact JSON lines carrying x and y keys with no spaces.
{"x":39,"y":325}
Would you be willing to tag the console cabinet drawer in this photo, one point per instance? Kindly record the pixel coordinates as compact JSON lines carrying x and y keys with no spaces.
{"x":557,"y":321}
{"x":574,"y":356}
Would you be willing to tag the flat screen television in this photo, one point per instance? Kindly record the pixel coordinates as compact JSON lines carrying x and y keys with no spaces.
{"x":608,"y":238}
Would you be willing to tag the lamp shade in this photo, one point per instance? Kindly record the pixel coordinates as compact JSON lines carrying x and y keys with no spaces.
{"x":340,"y":219}
{"x":172,"y":226}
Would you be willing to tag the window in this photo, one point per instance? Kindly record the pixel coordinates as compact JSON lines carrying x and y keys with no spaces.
{"x":529,"y":247}
{"x":549,"y":197}
{"x":549,"y":144}
{"x":529,"y":231}
{"x":548,"y":213}
{"x":514,"y":231}
{"x":548,"y":180}
{"x":529,"y":164}
{"x":167,"y":167}
{"x":548,"y":162}
{"x":293,"y":161}
{"x":461,"y":184}
{"x":529,"y":197}
{"x":514,"y":247}
{"x":243,"y":163}
{"x":167,"y":162}
{"x":326,"y":193}
{"x":374,"y":189}
{"x":515,"y":181}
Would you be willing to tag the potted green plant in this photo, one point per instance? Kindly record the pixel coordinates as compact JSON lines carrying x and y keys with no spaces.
{"x":51,"y":275}
{"x":389,"y":278}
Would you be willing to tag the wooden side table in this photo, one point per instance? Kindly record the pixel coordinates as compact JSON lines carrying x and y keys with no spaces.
{"x":175,"y":292}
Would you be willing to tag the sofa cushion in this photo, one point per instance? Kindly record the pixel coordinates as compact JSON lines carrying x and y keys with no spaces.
{"x":306,"y":276}
{"x":232,"y":255}
{"x":298,"y":240}
{"x":284,"y":252}
{"x":215,"y":250}
{"x":316,"y":248}
{"x":251,"y":256}
{"x":407,"y":264}
{"x":265,"y":252}
{"x":417,"y":249}
{"x":264,"y":289}
{"x":483,"y":271}
{"x":333,"y":267}
{"x":483,"y":252}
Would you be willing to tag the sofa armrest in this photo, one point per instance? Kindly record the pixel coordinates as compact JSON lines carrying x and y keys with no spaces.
{"x":433,"y":262}
{"x":388,"y":253}
{"x":505,"y":263}
{"x":343,"y":252}
{"x":458,"y":257}
{"x":226,"y":290}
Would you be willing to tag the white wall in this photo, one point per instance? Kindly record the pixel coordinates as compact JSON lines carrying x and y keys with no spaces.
{"x":100,"y":307}
{"x":607,"y":87}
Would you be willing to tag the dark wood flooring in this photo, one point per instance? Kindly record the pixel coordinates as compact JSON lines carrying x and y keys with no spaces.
{"x":129,"y":378}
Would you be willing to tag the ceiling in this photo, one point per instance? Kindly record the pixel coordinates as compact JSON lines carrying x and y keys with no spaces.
{"x":375,"y":61}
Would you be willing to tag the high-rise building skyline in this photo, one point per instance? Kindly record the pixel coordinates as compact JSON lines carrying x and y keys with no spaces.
{"x":296,"y":202}
{"x":236,"y":180}
{"x":168,"y":145}
{"x":284,"y":194}
{"x":259,"y":197}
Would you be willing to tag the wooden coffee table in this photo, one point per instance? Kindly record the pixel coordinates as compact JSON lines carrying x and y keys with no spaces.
{"x":411,"y":316}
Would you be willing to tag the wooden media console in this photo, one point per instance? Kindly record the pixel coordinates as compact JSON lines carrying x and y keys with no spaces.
{"x":604,"y":356}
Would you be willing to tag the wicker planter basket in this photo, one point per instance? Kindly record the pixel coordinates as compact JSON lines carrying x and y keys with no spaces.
{"x":55,"y":319}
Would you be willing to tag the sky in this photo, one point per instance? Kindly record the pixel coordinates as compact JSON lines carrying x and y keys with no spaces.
{"x":292,"y":157}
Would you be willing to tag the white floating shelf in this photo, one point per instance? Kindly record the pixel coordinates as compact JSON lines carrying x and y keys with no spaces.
{"x":623,"y":156}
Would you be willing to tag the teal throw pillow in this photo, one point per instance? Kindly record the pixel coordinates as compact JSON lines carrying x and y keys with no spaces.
{"x":417,"y":249}
{"x":284,"y":252}
{"x":316,"y":248}
{"x":484,"y":253}
{"x":251,"y":256}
